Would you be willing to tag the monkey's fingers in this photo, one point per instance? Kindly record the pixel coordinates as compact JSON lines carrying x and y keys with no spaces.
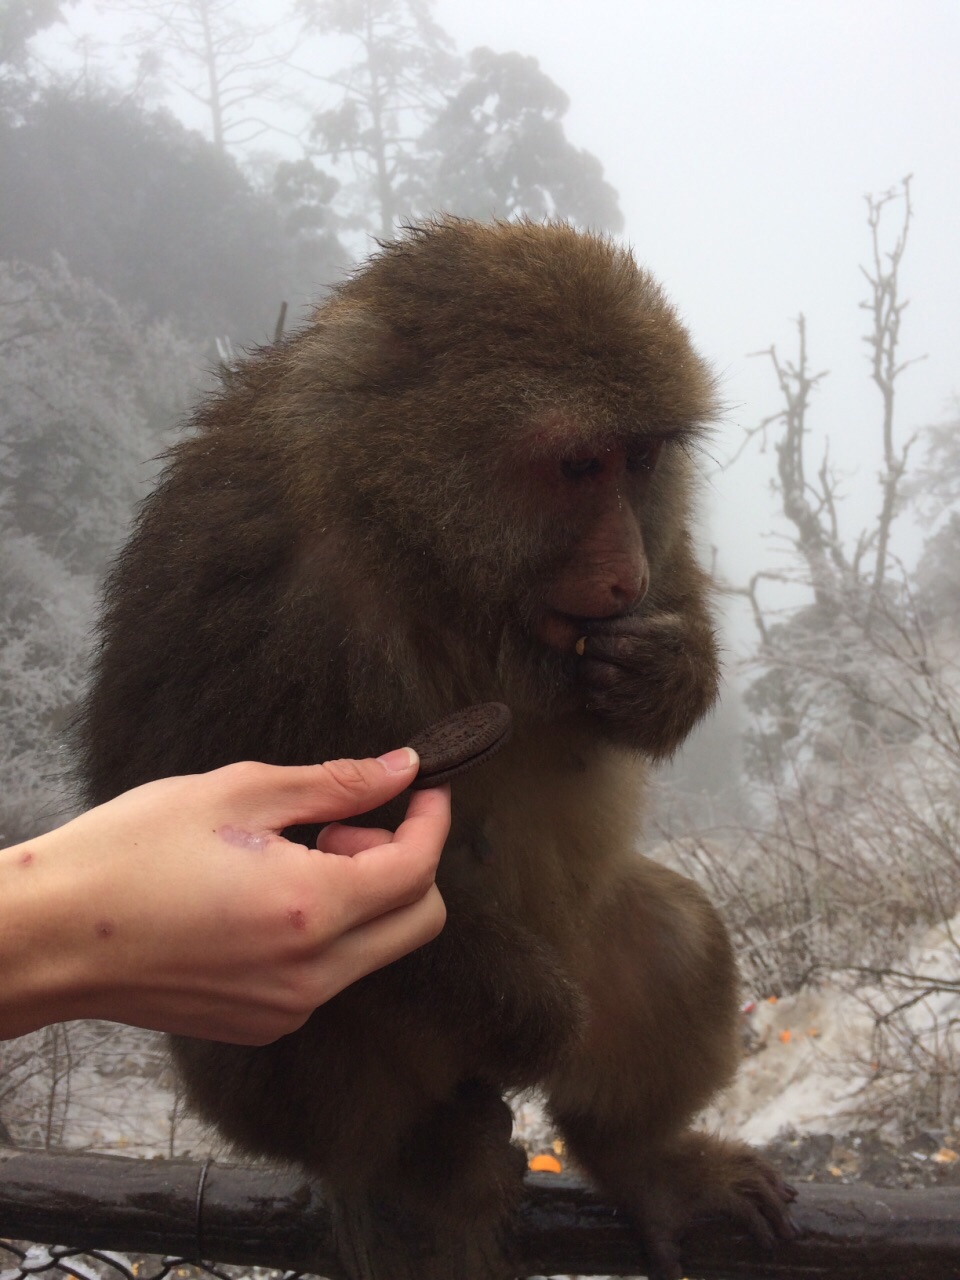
{"x":772,"y":1199}
{"x":627,"y":644}
{"x":760,"y":1199}
{"x":604,"y":658}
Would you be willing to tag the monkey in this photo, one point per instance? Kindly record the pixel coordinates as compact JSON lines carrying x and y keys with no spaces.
{"x":471,"y":476}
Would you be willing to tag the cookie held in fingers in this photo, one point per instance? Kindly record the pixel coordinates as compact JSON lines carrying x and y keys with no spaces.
{"x":458,"y":742}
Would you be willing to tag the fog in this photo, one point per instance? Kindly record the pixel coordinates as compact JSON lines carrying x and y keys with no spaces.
{"x":741,"y":138}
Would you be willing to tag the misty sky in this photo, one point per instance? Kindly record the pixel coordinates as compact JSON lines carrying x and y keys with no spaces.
{"x":742,"y":136}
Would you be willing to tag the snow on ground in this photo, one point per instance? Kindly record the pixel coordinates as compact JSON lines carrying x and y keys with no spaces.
{"x":96,"y":1086}
{"x":798,"y":1071}
{"x":811,"y":1062}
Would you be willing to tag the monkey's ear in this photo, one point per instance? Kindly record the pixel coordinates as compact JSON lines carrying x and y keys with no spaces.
{"x":349,"y":348}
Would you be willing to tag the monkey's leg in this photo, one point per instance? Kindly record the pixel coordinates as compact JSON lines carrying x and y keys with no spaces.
{"x":661,"y":1038}
{"x":437,"y":1210}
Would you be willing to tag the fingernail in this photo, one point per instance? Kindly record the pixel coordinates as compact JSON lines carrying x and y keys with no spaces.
{"x":400,"y":760}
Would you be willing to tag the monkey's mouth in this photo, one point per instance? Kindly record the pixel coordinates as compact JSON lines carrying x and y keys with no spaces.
{"x":561,"y":631}
{"x":595,"y":650}
{"x":567,"y":633}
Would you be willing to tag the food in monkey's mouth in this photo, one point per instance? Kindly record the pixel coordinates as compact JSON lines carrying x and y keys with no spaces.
{"x":457,"y":743}
{"x":580,"y":646}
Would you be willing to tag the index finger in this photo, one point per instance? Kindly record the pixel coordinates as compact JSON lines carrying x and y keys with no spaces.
{"x":393,"y":875}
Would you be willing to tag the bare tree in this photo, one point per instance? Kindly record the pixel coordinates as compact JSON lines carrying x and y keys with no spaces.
{"x":826,"y":666}
{"x":221,"y":58}
{"x":404,"y":68}
{"x":423,"y":130}
{"x":885,"y":311}
{"x":848,"y":868}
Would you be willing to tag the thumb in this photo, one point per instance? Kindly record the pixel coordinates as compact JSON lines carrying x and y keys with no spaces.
{"x":281,"y":796}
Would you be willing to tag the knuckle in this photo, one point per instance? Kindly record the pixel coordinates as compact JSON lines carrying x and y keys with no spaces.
{"x":246,"y":774}
{"x":436,"y":916}
{"x":421,"y":878}
{"x":430,"y":917}
{"x":297,"y":1002}
{"x":271,"y":1024}
{"x":349,"y":776}
{"x":262,"y":1037}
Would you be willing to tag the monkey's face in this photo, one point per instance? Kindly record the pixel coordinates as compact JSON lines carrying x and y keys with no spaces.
{"x":606,"y":573}
{"x":613,"y":617}
{"x":520,"y":401}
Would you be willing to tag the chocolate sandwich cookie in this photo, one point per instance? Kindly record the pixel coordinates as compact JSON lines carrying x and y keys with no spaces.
{"x":458,"y":742}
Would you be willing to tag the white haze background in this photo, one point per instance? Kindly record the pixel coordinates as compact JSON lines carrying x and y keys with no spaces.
{"x":741,"y":137}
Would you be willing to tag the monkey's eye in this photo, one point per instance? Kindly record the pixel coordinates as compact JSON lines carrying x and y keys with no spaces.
{"x":644,"y":457}
{"x":577,"y":468}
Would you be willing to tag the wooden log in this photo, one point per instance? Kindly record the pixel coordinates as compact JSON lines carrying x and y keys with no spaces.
{"x":231,"y":1213}
{"x":255,"y":1216}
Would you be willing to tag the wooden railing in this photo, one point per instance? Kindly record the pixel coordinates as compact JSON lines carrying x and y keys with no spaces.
{"x":262,"y":1217}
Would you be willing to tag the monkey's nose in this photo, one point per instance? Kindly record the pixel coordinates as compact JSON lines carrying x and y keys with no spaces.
{"x":621,"y":592}
{"x":628,"y":591}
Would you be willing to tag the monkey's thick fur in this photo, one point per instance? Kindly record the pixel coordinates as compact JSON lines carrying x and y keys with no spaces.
{"x":478,"y":451}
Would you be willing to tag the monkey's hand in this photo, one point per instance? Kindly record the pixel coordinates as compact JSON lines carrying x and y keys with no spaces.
{"x":649,"y":676}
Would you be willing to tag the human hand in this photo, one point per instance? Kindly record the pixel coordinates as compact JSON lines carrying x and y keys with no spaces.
{"x":178,"y":906}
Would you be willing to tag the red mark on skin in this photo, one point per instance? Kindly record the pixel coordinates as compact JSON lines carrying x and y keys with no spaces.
{"x":243,"y":839}
{"x":103,"y":928}
{"x":26,"y":858}
{"x":297,"y":919}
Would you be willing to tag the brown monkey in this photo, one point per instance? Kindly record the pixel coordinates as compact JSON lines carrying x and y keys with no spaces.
{"x":468,"y":479}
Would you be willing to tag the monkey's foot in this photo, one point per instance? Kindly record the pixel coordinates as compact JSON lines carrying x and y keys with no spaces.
{"x":703,"y":1175}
